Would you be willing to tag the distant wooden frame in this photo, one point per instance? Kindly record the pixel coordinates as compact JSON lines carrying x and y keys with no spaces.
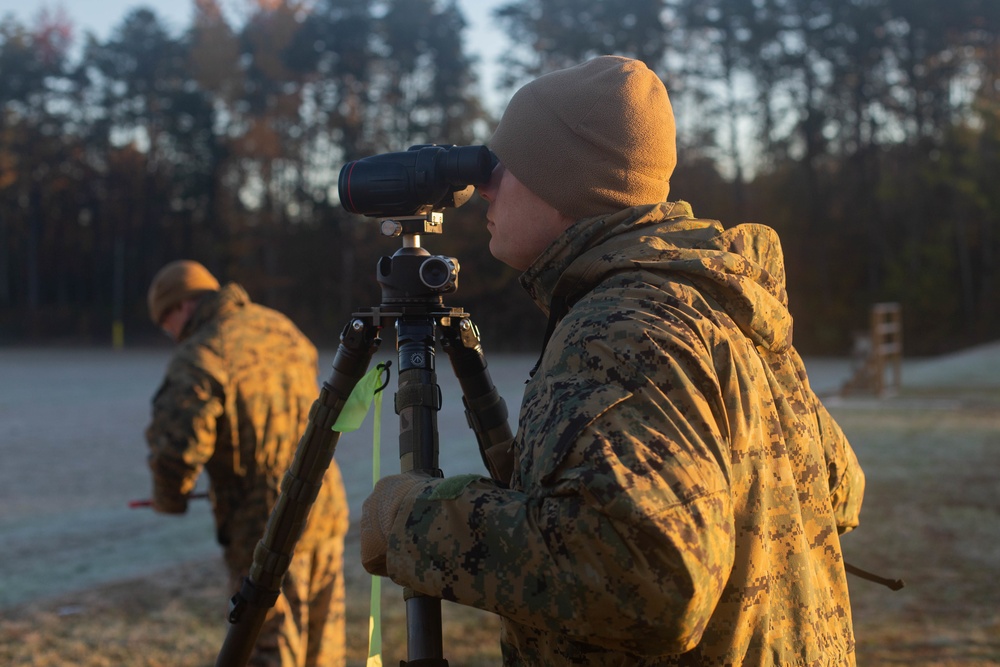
{"x":884,"y":354}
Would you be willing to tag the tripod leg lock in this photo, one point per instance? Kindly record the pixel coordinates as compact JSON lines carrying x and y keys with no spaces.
{"x":419,"y":395}
{"x":486,"y":412}
{"x":250,"y":594}
{"x":487,"y":416}
{"x":300,"y":490}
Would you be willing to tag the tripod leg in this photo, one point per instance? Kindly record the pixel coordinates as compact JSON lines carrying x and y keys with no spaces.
{"x":299,"y":487}
{"x":484,"y":407}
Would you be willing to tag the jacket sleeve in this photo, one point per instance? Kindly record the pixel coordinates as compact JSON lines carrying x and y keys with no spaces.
{"x":181,"y":436}
{"x":845,"y":478}
{"x":625,"y":537}
{"x":847,"y":481}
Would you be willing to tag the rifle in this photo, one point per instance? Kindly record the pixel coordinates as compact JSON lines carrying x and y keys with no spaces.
{"x":148,"y":502}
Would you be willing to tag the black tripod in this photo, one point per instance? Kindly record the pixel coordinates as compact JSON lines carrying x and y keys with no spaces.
{"x":412,"y":282}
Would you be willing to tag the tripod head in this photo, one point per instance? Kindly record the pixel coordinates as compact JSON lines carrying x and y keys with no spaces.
{"x":413,"y":276}
{"x":408,"y":191}
{"x":425,"y":178}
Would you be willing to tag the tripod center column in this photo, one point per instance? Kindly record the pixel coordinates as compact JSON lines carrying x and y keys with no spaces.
{"x":418,"y":398}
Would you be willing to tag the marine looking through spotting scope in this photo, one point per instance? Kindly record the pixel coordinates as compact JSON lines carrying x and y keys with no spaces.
{"x":413,"y":182}
{"x":408,"y":191}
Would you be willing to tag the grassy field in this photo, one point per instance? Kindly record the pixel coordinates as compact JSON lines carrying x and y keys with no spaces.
{"x":931,"y":517}
{"x":177,"y":619}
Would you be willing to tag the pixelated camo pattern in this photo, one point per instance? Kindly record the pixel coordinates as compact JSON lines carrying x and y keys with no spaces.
{"x":234,"y":402}
{"x":679,"y":489}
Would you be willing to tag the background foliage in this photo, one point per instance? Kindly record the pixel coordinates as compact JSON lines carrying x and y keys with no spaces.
{"x":867,"y":132}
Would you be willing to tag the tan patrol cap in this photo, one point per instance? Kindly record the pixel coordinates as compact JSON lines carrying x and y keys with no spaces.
{"x":176,"y":282}
{"x":591,"y":139}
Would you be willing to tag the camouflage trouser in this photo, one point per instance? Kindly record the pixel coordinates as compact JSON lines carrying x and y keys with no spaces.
{"x":306,"y":626}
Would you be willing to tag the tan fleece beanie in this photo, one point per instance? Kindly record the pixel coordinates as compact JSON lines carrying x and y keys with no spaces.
{"x":591,"y":139}
{"x":176,"y":282}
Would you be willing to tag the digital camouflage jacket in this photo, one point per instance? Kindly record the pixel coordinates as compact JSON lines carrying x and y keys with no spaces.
{"x":234,"y":402}
{"x":679,"y":490}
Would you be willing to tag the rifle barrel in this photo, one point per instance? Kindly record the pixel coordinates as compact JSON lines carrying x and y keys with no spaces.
{"x":148,"y":502}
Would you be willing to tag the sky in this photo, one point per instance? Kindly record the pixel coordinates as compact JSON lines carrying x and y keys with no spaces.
{"x":102,"y":16}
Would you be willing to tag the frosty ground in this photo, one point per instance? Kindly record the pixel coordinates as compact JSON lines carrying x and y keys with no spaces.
{"x":72,"y":457}
{"x":88,"y":581}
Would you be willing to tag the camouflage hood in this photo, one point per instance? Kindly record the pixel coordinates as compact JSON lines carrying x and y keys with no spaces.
{"x":741,"y":268}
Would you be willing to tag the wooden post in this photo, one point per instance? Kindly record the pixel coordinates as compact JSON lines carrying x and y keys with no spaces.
{"x":887,"y":346}
{"x":885,"y":353}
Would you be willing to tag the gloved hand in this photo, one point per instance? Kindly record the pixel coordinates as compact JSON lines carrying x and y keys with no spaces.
{"x":167,"y":499}
{"x":378,"y":514}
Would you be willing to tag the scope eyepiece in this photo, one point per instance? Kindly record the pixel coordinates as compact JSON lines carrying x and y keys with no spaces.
{"x":421,"y":179}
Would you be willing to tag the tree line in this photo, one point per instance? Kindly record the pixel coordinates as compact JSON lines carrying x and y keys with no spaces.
{"x":867,"y":132}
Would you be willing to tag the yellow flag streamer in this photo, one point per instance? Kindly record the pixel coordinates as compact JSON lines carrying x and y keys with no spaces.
{"x":351,"y":416}
{"x":375,"y":614}
{"x":360,"y":400}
